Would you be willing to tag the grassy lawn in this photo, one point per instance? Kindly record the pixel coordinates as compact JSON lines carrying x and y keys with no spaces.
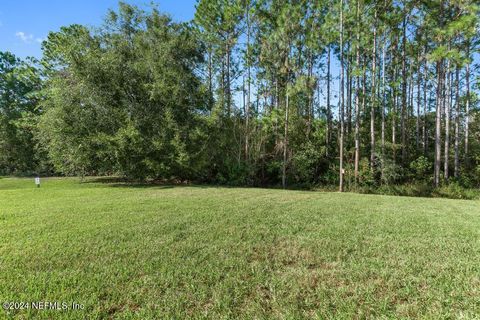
{"x":158,"y":252}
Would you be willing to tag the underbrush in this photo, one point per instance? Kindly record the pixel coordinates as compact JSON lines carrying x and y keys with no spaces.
{"x":452,"y":190}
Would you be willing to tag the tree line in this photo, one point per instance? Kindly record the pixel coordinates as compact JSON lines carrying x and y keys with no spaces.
{"x":253,"y":92}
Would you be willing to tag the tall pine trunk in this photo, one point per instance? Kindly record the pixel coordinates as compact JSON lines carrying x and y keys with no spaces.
{"x":210,"y":76}
{"x":447,"y":102}
{"x":372,"y":109}
{"x":419,"y":99}
{"x":384,"y":103}
{"x":357,"y":98}
{"x":329,"y":111}
{"x":457,"y":123}
{"x":342,"y":125}
{"x":228,"y":89}
{"x":404,"y":91}
{"x":285,"y":144}
{"x":285,"y":137}
{"x":438,"y":123}
{"x":394,"y":102}
{"x":467,"y":105}
{"x":425,"y":103}
{"x":247,"y":108}
{"x":348,"y":87}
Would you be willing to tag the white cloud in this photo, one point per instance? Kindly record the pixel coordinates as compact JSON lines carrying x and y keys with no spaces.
{"x":27,"y":38}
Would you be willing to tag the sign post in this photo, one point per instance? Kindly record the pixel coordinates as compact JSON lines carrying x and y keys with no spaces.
{"x":37,"y":182}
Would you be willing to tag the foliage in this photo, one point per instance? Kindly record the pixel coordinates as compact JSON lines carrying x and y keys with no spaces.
{"x":454,"y":190}
{"x":308,"y":164}
{"x":248,"y":94}
{"x":391,"y":172}
{"x":131,"y":99}
{"x":421,"y":167}
{"x":19,"y":81}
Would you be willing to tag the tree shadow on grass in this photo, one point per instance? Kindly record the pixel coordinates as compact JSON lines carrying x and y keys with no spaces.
{"x":402,"y":191}
{"x":124,"y":182}
{"x":121,"y":182}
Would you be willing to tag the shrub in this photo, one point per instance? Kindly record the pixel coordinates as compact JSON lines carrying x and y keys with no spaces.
{"x":420,"y":168}
{"x":307,"y":163}
{"x":391,"y":172}
{"x":454,"y":190}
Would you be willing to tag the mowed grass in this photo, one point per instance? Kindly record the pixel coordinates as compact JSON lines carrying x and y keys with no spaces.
{"x":164,"y":252}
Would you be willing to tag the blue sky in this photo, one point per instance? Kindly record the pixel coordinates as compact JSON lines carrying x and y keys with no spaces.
{"x":24,"y":23}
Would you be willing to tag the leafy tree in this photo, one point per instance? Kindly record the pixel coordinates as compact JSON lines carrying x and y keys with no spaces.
{"x":19,"y":83}
{"x":126,"y":102}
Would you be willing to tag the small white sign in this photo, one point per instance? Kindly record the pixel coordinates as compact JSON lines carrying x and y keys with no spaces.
{"x":37,"y":181}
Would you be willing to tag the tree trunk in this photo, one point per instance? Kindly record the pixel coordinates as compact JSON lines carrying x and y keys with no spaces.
{"x":467,"y":106}
{"x":404,"y":90}
{"x":425,"y":102}
{"x":349,"y":93}
{"x":372,"y":108}
{"x":287,"y":107}
{"x":311,"y":92}
{"x":329,"y":111}
{"x":277,"y":106}
{"x":438,"y":124}
{"x":341,"y":99}
{"x":364,"y":90}
{"x":410,"y":92}
{"x":243,"y":95}
{"x":419,"y":99}
{"x":210,"y":75}
{"x":223,"y":90}
{"x":457,"y":123}
{"x":447,"y":102}
{"x":247,"y":109}
{"x":229,"y":96}
{"x":285,"y":144}
{"x":357,"y":99}
{"x":384,"y":101}
{"x":394,"y":103}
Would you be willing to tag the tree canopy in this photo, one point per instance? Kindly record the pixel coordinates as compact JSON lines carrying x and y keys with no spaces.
{"x":254,"y":92}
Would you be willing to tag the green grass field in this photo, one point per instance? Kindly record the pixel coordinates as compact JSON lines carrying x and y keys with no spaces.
{"x":158,"y":252}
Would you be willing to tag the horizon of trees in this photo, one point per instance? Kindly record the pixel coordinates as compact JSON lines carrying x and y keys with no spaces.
{"x":254,"y":92}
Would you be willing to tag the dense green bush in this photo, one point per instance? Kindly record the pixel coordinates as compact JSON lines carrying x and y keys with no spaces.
{"x":128,"y":103}
{"x":392,"y":173}
{"x":421,"y":167}
{"x":308,"y":164}
{"x":452,"y":190}
{"x":455,"y":191}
